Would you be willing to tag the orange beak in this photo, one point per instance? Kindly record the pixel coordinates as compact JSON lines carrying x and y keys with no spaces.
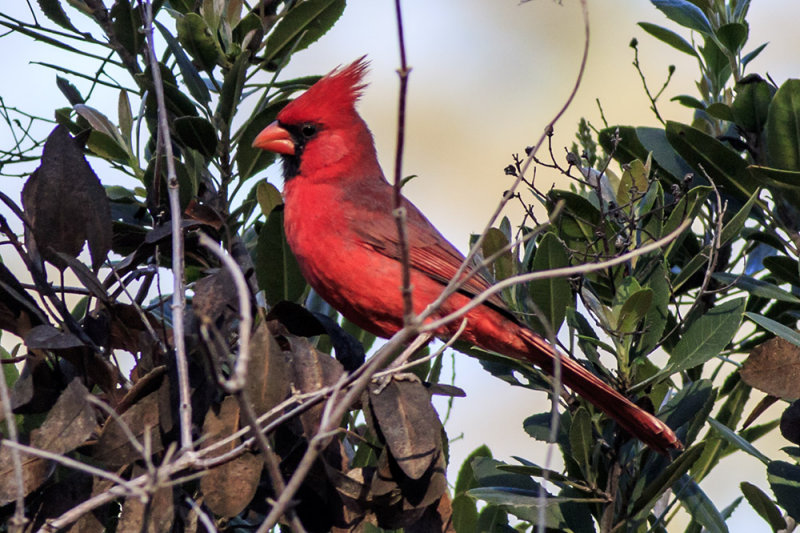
{"x":275,"y":139}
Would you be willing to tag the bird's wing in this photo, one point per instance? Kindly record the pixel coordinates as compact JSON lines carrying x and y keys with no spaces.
{"x":429,"y":252}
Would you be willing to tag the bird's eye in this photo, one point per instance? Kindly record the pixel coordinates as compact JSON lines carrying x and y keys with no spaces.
{"x":308,"y":130}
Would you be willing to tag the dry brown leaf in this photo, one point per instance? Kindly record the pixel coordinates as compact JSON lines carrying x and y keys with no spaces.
{"x":409,"y":424}
{"x":774,"y":367}
{"x":229,"y":487}
{"x":114,"y":448}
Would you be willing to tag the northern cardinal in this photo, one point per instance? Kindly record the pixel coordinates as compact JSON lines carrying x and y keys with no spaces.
{"x":339,"y":224}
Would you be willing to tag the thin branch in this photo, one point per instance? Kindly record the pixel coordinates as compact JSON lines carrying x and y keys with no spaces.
{"x":178,"y":293}
{"x":548,"y":274}
{"x":399,"y":212}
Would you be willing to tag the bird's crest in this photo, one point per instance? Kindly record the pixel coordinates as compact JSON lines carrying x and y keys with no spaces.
{"x":337,"y":90}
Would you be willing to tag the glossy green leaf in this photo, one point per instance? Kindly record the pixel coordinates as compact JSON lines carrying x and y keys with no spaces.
{"x":553,"y":295}
{"x":632,"y":185}
{"x":699,"y":505}
{"x":669,"y":37}
{"x":763,"y":505}
{"x":784,"y":268}
{"x":198,"y":40}
{"x":756,"y":287}
{"x":685,"y":13}
{"x":277,"y":271}
{"x":125,"y":116}
{"x":777,"y":178}
{"x":303,"y":24}
{"x":197,"y":133}
{"x":783,"y":127}
{"x":733,"y":228}
{"x":709,"y":156}
{"x":707,"y":336}
{"x":733,"y":438}
{"x":465,"y":511}
{"x":107,"y":147}
{"x":784,"y":480}
{"x":718,"y":67}
{"x":775,"y":327}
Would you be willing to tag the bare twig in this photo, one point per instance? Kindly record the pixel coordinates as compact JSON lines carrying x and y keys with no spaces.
{"x":178,"y":294}
{"x":399,"y":210}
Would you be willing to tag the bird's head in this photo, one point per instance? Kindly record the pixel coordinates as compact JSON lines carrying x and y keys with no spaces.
{"x":320,"y":133}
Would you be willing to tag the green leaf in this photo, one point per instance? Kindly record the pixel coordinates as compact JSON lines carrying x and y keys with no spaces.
{"x":763,"y":505}
{"x":707,"y":336}
{"x":197,"y":39}
{"x":250,"y":160}
{"x":688,"y":101}
{"x":685,"y":13}
{"x":732,"y":437}
{"x":127,"y":24}
{"x":107,"y":147}
{"x":784,"y":268}
{"x":732,"y":36}
{"x":655,"y":321}
{"x":733,"y":228}
{"x":669,"y":37}
{"x":752,"y":55}
{"x":783,"y":127}
{"x":699,"y":505}
{"x":465,"y":511}
{"x":777,"y":178}
{"x":784,"y":479}
{"x":709,"y":156}
{"x":268,"y":197}
{"x":553,"y":295}
{"x":756,"y":287}
{"x":197,"y":133}
{"x":668,"y":477}
{"x":231,"y":93}
{"x":52,"y":9}
{"x":720,"y":111}
{"x":303,"y":24}
{"x":775,"y":327}
{"x":581,"y":440}
{"x":503,"y":266}
{"x":633,"y":310}
{"x":125,"y":116}
{"x":195,"y":84}
{"x":277,"y":271}
{"x":751,"y":105}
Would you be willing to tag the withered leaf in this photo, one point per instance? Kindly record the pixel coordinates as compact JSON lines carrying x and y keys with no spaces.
{"x":46,"y":337}
{"x":58,"y":498}
{"x":229,"y":487}
{"x":35,"y":472}
{"x":774,"y":367}
{"x":160,"y":514}
{"x":267,"y":382}
{"x":66,"y":204}
{"x":215,"y":296}
{"x":409,"y":424}
{"x":69,"y":423}
{"x":312,"y":370}
{"x":114,"y":449}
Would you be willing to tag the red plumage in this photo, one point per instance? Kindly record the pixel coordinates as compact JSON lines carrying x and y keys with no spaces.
{"x":339,"y":224}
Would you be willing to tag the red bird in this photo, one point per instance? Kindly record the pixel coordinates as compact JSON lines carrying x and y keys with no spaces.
{"x":339,"y":224}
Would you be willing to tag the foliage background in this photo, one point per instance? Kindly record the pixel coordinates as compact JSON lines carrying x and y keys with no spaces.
{"x":487,"y":75}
